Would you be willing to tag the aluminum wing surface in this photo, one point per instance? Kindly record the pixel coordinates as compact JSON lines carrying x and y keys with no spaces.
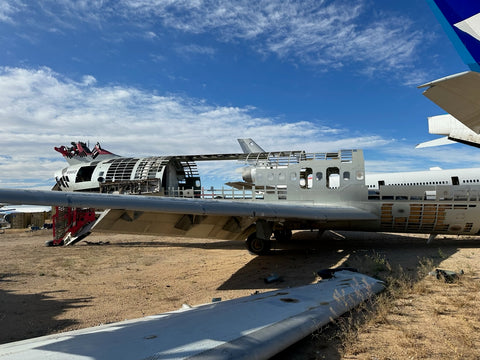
{"x":459,"y":95}
{"x":222,"y":219}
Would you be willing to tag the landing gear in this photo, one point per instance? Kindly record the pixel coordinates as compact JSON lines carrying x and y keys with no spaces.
{"x":283,"y":235}
{"x":258,"y":246}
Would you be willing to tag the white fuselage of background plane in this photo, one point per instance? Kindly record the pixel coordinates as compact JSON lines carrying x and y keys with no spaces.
{"x":429,"y":177}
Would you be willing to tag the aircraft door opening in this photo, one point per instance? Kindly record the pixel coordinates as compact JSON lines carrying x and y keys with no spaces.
{"x":455,"y":180}
{"x":333,"y":177}
{"x":306,"y":178}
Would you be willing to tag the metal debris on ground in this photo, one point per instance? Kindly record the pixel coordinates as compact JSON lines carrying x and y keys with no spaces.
{"x":447,"y":275}
{"x":273,"y":278}
{"x":329,"y":273}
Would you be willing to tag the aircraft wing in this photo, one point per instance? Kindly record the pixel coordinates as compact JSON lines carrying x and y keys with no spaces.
{"x":222,"y":219}
{"x":459,"y":95}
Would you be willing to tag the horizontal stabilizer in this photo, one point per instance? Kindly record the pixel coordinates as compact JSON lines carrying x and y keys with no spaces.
{"x":436,"y":142}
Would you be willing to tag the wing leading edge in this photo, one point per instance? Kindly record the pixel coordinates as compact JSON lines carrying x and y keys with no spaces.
{"x":222,"y":219}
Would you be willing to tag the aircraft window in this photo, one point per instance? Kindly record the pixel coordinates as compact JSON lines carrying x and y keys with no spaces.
{"x":197,"y":183}
{"x":346,"y":175}
{"x":360,"y":175}
{"x":293,"y":176}
{"x":306,"y":178}
{"x":281,"y":177}
{"x":319,"y":176}
{"x":85,"y":174}
{"x":270,"y":177}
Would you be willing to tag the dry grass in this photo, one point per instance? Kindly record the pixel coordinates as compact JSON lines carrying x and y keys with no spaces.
{"x":416,"y":317}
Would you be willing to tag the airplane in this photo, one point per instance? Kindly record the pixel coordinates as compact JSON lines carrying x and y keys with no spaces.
{"x":280,"y":192}
{"x":434,"y":176}
{"x":459,"y":94}
{"x":284,"y":191}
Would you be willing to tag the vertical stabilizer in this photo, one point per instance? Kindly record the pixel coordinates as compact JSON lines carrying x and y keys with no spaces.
{"x":249,"y":146}
{"x":461,"y":21}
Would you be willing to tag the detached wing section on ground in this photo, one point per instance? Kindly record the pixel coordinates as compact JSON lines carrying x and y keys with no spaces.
{"x":220,"y":219}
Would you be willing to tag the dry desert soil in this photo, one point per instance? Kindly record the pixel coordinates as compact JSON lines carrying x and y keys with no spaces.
{"x":108,"y":278}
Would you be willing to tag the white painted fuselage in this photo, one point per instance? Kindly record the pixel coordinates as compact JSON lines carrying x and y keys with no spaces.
{"x":428,"y":177}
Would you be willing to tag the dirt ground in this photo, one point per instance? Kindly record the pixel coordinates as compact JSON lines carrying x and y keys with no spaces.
{"x":108,"y":278}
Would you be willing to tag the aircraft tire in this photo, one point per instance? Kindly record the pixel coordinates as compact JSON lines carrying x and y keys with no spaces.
{"x":258,"y":246}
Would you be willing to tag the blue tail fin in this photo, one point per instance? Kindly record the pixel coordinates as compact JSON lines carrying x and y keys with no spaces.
{"x":461,"y":21}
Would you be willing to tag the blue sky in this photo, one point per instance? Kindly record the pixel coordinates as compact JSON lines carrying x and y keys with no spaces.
{"x":152,"y":77}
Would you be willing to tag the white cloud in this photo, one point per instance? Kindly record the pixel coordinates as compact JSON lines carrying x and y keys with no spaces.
{"x":8,"y":8}
{"x":39,"y":110}
{"x":194,"y":49}
{"x":401,"y":156}
{"x":323,"y":34}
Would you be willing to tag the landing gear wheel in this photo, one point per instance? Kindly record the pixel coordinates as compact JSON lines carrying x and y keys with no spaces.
{"x":258,"y":246}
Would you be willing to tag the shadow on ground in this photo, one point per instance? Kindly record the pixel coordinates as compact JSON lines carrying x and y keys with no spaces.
{"x":18,"y":324}
{"x":371,"y":253}
{"x":177,"y":242}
